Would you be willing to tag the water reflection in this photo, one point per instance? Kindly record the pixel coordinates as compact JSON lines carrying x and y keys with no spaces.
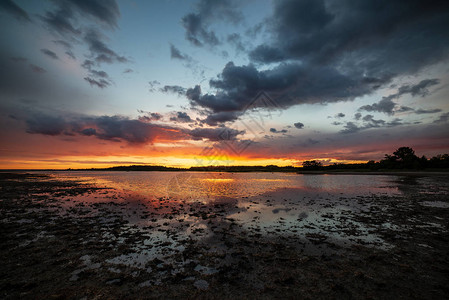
{"x":206,"y":205}
{"x":207,"y":185}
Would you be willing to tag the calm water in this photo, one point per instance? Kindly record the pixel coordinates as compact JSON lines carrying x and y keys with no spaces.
{"x":209,"y":186}
{"x":202,"y":206}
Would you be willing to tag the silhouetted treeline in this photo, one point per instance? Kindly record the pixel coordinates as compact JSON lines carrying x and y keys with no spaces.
{"x":139,"y":168}
{"x":402,"y":158}
{"x":269,"y":168}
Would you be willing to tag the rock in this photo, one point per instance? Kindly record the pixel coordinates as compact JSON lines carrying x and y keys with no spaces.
{"x":201,"y":284}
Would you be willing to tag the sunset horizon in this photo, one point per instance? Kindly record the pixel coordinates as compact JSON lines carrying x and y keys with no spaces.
{"x":219,"y":83}
{"x":224,"y":149}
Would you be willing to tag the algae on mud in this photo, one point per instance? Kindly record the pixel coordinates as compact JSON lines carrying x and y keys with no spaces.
{"x":71,"y":238}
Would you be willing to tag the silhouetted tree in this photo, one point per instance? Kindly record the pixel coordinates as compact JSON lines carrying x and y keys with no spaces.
{"x":311,"y":165}
{"x":405,"y":154}
{"x":439,"y":161}
{"x":403,"y":157}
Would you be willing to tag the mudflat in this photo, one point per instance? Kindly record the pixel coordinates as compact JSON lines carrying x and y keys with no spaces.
{"x":68,"y":239}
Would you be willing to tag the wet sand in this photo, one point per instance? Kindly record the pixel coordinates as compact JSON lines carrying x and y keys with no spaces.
{"x":67,"y":239}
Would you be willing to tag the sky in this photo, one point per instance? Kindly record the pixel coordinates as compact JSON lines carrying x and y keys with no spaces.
{"x":100,"y":83}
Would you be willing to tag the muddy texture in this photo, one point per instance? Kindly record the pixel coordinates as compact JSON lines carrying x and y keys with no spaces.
{"x":66,"y":239}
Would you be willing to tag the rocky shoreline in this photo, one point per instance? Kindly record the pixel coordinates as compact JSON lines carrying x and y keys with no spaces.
{"x":67,"y":239}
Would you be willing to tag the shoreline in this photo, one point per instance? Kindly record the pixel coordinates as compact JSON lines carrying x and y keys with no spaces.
{"x":399,"y":173}
{"x":70,"y":239}
{"x":305,"y":172}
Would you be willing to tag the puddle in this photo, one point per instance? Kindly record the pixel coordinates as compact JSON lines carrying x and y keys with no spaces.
{"x":438,"y":204}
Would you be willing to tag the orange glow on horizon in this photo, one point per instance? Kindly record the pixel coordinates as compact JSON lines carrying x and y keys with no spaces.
{"x":87,"y":162}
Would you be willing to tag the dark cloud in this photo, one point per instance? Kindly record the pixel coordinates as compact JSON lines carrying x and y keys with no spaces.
{"x":194,"y":94}
{"x":420,"y":89}
{"x":372,"y":122}
{"x":50,"y":53}
{"x":45,"y":124}
{"x":66,"y":46}
{"x":368,"y":123}
{"x":37,"y":69}
{"x":215,"y":134}
{"x":173,"y":89}
{"x":299,"y":125}
{"x":88,"y":64}
{"x":70,"y":54}
{"x":120,"y":128}
{"x":89,"y":131}
{"x":404,"y":109}
{"x":196,"y":31}
{"x":112,"y":128}
{"x":386,"y":105}
{"x":68,"y":19}
{"x":149,"y":116}
{"x":64,"y":18}
{"x":105,"y":11}
{"x":266,"y":53}
{"x":153,"y":84}
{"x":236,"y":40}
{"x":213,"y":119}
{"x":126,"y":71}
{"x":101,"y":74}
{"x":101,"y":83}
{"x":181,"y":117}
{"x":100,"y":52}
{"x":443,"y":118}
{"x":340,"y":115}
{"x":427,"y":111}
{"x":286,"y":85}
{"x":357,"y":116}
{"x":98,"y":78}
{"x":15,"y":10}
{"x":60,"y":20}
{"x":197,"y":24}
{"x":325,"y":32}
{"x":176,"y":53}
{"x":327,"y":51}
{"x":274,"y":130}
{"x":395,"y":122}
{"x":350,"y":127}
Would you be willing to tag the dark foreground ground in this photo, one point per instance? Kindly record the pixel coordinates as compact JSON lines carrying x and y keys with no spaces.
{"x":63,"y":239}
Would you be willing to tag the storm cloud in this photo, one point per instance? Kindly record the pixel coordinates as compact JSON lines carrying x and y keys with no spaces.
{"x":99,"y":50}
{"x":274,"y":130}
{"x":173,"y":89}
{"x":64,"y":18}
{"x":177,"y":54}
{"x":197,"y":24}
{"x":181,"y":117}
{"x":101,"y":83}
{"x":328,"y":52}
{"x":120,"y":128}
{"x":299,"y":125}
{"x":330,"y":33}
{"x":215,"y":134}
{"x":386,"y":105}
{"x":287,"y":85}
